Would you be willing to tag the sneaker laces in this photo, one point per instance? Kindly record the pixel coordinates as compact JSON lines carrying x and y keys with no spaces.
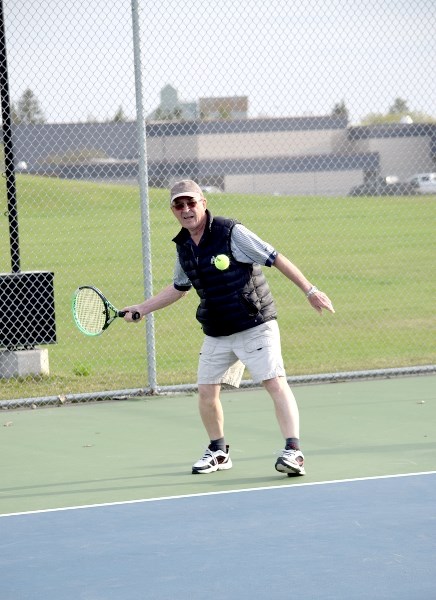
{"x":292,"y":454}
{"x":209,"y":454}
{"x":289,"y":452}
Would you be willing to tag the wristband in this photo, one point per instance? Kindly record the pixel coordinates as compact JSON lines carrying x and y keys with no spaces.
{"x":313,"y":290}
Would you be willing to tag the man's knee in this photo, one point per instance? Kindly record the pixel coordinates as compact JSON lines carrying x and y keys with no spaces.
{"x":275,"y":384}
{"x":208,"y":393}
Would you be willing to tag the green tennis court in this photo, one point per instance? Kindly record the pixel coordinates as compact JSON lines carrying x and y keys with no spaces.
{"x":144,"y":448}
{"x":98,"y":500}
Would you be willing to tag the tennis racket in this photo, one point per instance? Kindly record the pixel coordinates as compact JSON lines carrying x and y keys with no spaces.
{"x":92,"y":311}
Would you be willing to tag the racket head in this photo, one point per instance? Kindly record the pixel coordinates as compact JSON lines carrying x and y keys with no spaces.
{"x":90,"y":310}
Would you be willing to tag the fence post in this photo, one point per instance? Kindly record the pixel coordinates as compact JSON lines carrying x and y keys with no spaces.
{"x":9,"y":150}
{"x":143,"y":193}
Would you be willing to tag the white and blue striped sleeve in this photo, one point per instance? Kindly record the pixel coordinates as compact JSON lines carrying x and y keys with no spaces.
{"x":247,"y":247}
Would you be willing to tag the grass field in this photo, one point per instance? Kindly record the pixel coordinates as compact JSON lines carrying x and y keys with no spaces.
{"x":374,"y":257}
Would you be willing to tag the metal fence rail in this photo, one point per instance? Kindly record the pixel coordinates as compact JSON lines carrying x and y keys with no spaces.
{"x":310,"y":124}
{"x":62,"y":399}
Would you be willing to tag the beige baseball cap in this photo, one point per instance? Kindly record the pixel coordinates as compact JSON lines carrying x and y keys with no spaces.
{"x":187,"y":187}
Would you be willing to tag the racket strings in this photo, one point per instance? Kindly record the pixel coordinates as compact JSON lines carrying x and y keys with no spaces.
{"x":90,"y":311}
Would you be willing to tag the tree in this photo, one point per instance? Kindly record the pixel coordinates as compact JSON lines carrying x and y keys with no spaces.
{"x":119,"y":117}
{"x":14,"y":114}
{"x":399,"y":107}
{"x":28,"y":110}
{"x":398,"y":112}
{"x":176,"y":114}
{"x":224,"y":112}
{"x":340,"y":110}
{"x":162,"y":115}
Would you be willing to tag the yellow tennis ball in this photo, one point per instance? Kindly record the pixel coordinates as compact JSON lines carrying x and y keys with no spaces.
{"x":222,"y":262}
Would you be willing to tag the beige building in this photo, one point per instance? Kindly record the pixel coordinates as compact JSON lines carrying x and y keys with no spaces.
{"x":301,"y":155}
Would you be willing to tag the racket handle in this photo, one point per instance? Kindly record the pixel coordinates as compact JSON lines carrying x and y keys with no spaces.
{"x":135,"y":316}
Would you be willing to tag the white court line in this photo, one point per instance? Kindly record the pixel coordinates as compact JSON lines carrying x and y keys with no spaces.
{"x":259,"y":489}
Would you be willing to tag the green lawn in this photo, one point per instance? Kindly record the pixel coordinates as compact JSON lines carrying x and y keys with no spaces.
{"x":374,"y":257}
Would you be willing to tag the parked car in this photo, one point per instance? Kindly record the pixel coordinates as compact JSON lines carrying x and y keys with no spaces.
{"x":425,"y":182}
{"x":385,"y":186}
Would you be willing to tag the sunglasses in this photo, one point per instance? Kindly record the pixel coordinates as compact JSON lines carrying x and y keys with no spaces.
{"x":188,"y":203}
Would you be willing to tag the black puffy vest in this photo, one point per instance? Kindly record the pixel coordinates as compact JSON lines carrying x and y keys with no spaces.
{"x":232,"y":300}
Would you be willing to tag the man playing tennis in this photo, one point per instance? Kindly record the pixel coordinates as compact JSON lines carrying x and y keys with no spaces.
{"x":238,"y":316}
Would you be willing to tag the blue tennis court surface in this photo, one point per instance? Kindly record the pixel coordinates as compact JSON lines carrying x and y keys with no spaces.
{"x":371,"y":538}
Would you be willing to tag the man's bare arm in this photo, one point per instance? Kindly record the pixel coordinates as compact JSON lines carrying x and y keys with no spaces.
{"x":164,"y":298}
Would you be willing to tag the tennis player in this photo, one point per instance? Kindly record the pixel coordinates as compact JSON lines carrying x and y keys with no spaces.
{"x":238,"y":317}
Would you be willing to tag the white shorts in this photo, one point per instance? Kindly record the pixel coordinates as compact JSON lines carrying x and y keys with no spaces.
{"x":223,"y":359}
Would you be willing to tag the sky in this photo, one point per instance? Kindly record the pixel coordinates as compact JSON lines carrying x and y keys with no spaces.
{"x":290,"y":58}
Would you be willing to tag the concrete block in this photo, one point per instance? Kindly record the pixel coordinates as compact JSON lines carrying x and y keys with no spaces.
{"x":21,"y":363}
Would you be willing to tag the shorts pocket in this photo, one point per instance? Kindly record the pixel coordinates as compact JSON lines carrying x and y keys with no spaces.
{"x":258,"y":343}
{"x":208,"y":347}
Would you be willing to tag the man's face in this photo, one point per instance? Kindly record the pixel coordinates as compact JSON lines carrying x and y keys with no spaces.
{"x":190,"y":212}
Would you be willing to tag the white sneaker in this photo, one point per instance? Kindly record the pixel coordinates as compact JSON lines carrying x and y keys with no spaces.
{"x":291,"y":462}
{"x":213,"y":461}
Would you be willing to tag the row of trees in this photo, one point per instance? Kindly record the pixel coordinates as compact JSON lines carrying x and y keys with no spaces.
{"x":399,"y":112}
{"x":28,"y":110}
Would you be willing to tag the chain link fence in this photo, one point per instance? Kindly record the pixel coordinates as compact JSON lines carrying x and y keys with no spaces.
{"x":314,"y":124}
